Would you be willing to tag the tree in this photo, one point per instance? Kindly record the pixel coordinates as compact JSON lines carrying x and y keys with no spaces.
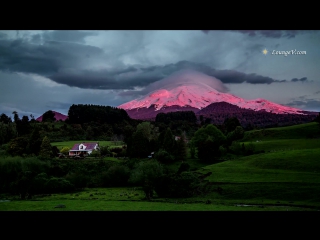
{"x":208,"y":140}
{"x":104,"y":151}
{"x":3,"y":132}
{"x":237,"y":134}
{"x":5,"y":119}
{"x":192,"y":148}
{"x":48,"y":116}
{"x":89,"y":133}
{"x":17,"y":121}
{"x":207,"y":151}
{"x":230,"y":124}
{"x":168,"y":141}
{"x":143,"y":141}
{"x":7,"y":132}
{"x":65,"y":150}
{"x":149,"y":131}
{"x":181,"y":150}
{"x":95,"y":153}
{"x":24,"y":125}
{"x":34,"y":141}
{"x":15,"y":116}
{"x":139,"y":145}
{"x":18,"y":146}
{"x":163,"y":156}
{"x":46,"y":148}
{"x":145,"y":174}
{"x":55,"y":151}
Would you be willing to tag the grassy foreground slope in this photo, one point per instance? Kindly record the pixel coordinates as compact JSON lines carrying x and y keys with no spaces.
{"x":123,"y":199}
{"x":288,"y":171}
{"x":300,"y":131}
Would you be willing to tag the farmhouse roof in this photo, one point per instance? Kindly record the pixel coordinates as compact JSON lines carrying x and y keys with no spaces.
{"x":89,"y":146}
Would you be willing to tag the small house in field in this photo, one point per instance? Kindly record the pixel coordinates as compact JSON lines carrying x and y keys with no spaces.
{"x":83,"y":149}
{"x":179,"y":137}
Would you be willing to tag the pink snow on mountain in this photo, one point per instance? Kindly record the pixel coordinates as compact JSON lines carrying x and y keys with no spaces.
{"x":57,"y":115}
{"x":195,"y":89}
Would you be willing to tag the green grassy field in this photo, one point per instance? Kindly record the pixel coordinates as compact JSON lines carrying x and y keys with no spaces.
{"x":285,"y":144}
{"x":288,"y":171}
{"x":300,"y":131}
{"x":70,"y":144}
{"x":286,"y":177}
{"x":123,"y":199}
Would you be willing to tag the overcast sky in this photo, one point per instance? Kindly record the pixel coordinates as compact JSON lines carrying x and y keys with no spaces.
{"x":51,"y":70}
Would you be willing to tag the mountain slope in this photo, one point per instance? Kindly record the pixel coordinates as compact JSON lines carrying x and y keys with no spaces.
{"x":199,"y":96}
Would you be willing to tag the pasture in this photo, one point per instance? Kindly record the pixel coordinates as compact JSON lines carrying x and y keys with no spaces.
{"x":285,"y":177}
{"x":124,"y":199}
{"x":288,"y":171}
{"x":70,"y":144}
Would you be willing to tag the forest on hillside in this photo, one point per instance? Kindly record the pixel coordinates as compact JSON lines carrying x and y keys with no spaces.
{"x":35,"y":167}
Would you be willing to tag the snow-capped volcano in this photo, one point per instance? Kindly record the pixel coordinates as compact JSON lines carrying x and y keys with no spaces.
{"x":194,"y":89}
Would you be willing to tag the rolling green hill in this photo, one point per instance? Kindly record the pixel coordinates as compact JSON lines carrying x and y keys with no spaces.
{"x":288,"y":170}
{"x":300,"y":131}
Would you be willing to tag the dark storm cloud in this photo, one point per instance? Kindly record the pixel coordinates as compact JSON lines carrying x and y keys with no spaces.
{"x":267,"y":33}
{"x":301,"y":79}
{"x":104,"y":79}
{"x":3,"y":35}
{"x":226,"y":76}
{"x":308,"y":103}
{"x":69,"y":64}
{"x":21,"y":56}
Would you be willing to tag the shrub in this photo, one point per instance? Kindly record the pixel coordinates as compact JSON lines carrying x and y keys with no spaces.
{"x":183,"y":167}
{"x":236,"y":148}
{"x":65,"y":150}
{"x":183,"y":185}
{"x":116,"y":150}
{"x":145,"y":174}
{"x":104,"y":150}
{"x":163,"y":156}
{"x":18,"y":146}
{"x":78,"y":179}
{"x":9,"y":170}
{"x":249,"y":149}
{"x":116,"y":176}
{"x":56,"y":171}
{"x":39,"y":182}
{"x":164,"y":186}
{"x":57,"y":185}
{"x":35,"y":165}
{"x":95,"y":154}
{"x":45,"y":149}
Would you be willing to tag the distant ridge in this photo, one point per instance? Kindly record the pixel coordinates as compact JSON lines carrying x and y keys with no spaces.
{"x":57,"y":115}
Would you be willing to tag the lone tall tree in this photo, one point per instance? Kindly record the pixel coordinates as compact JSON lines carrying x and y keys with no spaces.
{"x":181,"y":148}
{"x":46,"y":148}
{"x":34,"y":145}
